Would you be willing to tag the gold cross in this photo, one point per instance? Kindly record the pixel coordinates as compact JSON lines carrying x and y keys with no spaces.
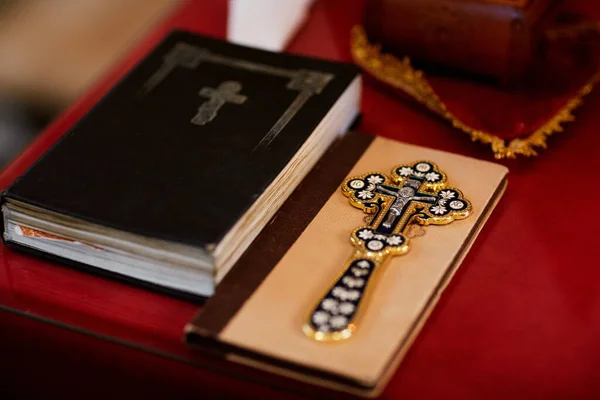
{"x":415,"y":193}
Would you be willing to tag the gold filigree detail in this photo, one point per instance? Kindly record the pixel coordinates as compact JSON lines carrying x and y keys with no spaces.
{"x":400,"y":74}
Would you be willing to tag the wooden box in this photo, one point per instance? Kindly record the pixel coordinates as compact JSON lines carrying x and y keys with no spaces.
{"x":496,"y":38}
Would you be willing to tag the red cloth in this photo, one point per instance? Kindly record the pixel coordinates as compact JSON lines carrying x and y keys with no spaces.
{"x":521,"y":319}
{"x":564,"y":63}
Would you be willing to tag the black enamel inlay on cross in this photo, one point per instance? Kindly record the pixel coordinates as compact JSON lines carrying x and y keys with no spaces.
{"x":340,"y":304}
{"x":413,"y":193}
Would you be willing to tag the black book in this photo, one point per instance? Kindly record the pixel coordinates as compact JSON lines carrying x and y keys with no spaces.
{"x":169,"y":178}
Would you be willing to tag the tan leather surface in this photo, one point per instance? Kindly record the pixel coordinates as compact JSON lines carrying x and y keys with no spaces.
{"x":270,"y":321}
{"x":319,"y":380}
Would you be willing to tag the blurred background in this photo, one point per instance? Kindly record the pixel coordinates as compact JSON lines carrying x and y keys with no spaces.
{"x":52,"y":50}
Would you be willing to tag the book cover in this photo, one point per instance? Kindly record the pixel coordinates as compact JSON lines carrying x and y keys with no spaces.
{"x":258,"y":314}
{"x":183,"y":150}
{"x":147,"y":160}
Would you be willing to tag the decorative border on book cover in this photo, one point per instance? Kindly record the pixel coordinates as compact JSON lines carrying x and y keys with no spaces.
{"x":307,"y":82}
{"x":400,"y":74}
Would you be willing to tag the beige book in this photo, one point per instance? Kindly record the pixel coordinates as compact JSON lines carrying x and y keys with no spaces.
{"x":258,"y":312}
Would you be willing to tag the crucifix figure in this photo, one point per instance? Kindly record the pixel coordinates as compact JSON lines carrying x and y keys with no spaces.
{"x":226,"y":92}
{"x":413,"y":194}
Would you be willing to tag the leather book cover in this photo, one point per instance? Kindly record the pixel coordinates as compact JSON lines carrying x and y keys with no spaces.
{"x":258,"y":314}
{"x":198,"y":119}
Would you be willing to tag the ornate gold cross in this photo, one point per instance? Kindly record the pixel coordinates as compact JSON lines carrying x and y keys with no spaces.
{"x":413,"y":193}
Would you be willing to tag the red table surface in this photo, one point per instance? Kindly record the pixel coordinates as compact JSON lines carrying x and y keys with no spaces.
{"x":521,"y":319}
